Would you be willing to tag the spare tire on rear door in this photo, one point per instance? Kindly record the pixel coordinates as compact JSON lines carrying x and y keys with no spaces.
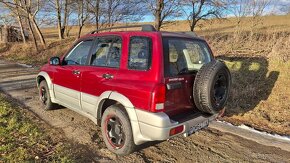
{"x":211,"y":87}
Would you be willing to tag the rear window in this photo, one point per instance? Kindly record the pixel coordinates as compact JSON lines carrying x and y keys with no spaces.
{"x":184,"y":55}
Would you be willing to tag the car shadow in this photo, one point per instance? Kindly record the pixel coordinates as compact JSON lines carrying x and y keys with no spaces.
{"x":252,"y":82}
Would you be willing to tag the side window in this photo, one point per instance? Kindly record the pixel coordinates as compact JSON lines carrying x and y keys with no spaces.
{"x":107,"y":52}
{"x":79,"y":54}
{"x":140,"y":53}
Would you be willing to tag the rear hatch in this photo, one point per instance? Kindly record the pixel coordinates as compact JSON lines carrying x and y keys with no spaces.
{"x":183,"y":57}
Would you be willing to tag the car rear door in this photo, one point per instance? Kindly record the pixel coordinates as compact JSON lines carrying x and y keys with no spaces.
{"x":183,"y":58}
{"x":67,"y":77}
{"x":101,"y":75}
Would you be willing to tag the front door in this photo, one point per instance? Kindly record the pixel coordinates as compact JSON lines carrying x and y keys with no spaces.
{"x":67,"y":77}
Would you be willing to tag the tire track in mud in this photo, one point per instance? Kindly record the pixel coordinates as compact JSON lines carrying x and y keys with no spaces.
{"x":204,"y":146}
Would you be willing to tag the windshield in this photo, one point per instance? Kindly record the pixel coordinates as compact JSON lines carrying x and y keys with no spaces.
{"x":184,"y":55}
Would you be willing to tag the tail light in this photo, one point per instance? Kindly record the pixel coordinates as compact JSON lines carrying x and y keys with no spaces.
{"x":158,"y":98}
{"x":176,"y":130}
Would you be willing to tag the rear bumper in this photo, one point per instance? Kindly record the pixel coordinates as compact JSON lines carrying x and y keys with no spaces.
{"x":157,"y":126}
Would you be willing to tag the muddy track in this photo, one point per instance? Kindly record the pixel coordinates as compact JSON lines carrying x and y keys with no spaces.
{"x":208,"y":145}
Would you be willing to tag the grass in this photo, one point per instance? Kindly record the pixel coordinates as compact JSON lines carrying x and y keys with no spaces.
{"x":25,"y":53}
{"x":260,"y":95}
{"x":21,"y":140}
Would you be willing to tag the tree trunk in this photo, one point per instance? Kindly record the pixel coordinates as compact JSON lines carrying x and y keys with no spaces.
{"x":67,"y":32}
{"x":58,"y":14}
{"x":110,"y":3}
{"x":158,"y":14}
{"x":97,"y":24}
{"x":97,"y":11}
{"x":33,"y":35}
{"x":80,"y":31}
{"x":80,"y":17}
{"x":193,"y":24}
{"x":21,"y":29}
{"x":37,"y":30}
{"x":65,"y":17}
{"x":20,"y":25}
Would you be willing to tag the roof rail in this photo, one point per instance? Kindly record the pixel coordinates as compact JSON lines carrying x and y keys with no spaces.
{"x":145,"y":27}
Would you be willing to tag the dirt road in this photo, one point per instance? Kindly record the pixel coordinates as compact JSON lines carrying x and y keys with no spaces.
{"x":209,"y":145}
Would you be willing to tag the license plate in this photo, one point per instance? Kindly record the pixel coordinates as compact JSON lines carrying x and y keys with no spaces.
{"x":197,"y":127}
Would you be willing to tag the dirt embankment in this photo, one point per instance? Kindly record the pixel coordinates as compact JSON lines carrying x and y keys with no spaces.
{"x":259,"y":64}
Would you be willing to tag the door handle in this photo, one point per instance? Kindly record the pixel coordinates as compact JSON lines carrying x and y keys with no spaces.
{"x":108,"y":76}
{"x":76,"y":72}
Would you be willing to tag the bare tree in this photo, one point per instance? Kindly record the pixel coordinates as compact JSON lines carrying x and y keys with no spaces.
{"x":65,"y":17}
{"x":257,"y":9}
{"x":58,"y":13}
{"x":196,"y":10}
{"x":32,"y":9}
{"x":7,"y":19}
{"x":33,"y":35}
{"x":61,"y":8}
{"x":94,"y":7}
{"x":14,"y":13}
{"x":114,"y":11}
{"x":28,"y":9}
{"x":25,"y":14}
{"x":248,"y":9}
{"x":17,"y":12}
{"x":158,"y":10}
{"x":106,"y":13}
{"x":163,"y":10}
{"x":82,"y":13}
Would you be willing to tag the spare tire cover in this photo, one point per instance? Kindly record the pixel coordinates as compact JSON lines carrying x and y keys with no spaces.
{"x":211,"y":87}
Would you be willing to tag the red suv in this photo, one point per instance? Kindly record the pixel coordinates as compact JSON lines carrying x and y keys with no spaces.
{"x":138,"y":86}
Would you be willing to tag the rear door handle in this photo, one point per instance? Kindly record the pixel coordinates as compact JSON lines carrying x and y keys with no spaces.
{"x":108,"y":76}
{"x":76,"y":72}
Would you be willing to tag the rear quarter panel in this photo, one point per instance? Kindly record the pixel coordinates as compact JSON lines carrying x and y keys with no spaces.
{"x":137,"y":85}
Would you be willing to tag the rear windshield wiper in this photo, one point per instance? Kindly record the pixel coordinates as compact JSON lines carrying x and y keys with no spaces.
{"x":185,"y":71}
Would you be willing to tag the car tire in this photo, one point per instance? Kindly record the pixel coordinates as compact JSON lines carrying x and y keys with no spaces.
{"x":116,"y":130}
{"x":211,"y":87}
{"x":45,"y":96}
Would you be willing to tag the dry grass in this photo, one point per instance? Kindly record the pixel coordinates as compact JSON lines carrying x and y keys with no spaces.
{"x":260,"y":95}
{"x":259,"y":64}
{"x":25,"y":53}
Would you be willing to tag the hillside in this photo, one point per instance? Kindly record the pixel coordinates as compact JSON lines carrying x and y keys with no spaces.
{"x":273,"y":23}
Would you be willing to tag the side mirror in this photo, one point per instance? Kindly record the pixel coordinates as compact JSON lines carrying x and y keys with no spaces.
{"x":54,"y":61}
